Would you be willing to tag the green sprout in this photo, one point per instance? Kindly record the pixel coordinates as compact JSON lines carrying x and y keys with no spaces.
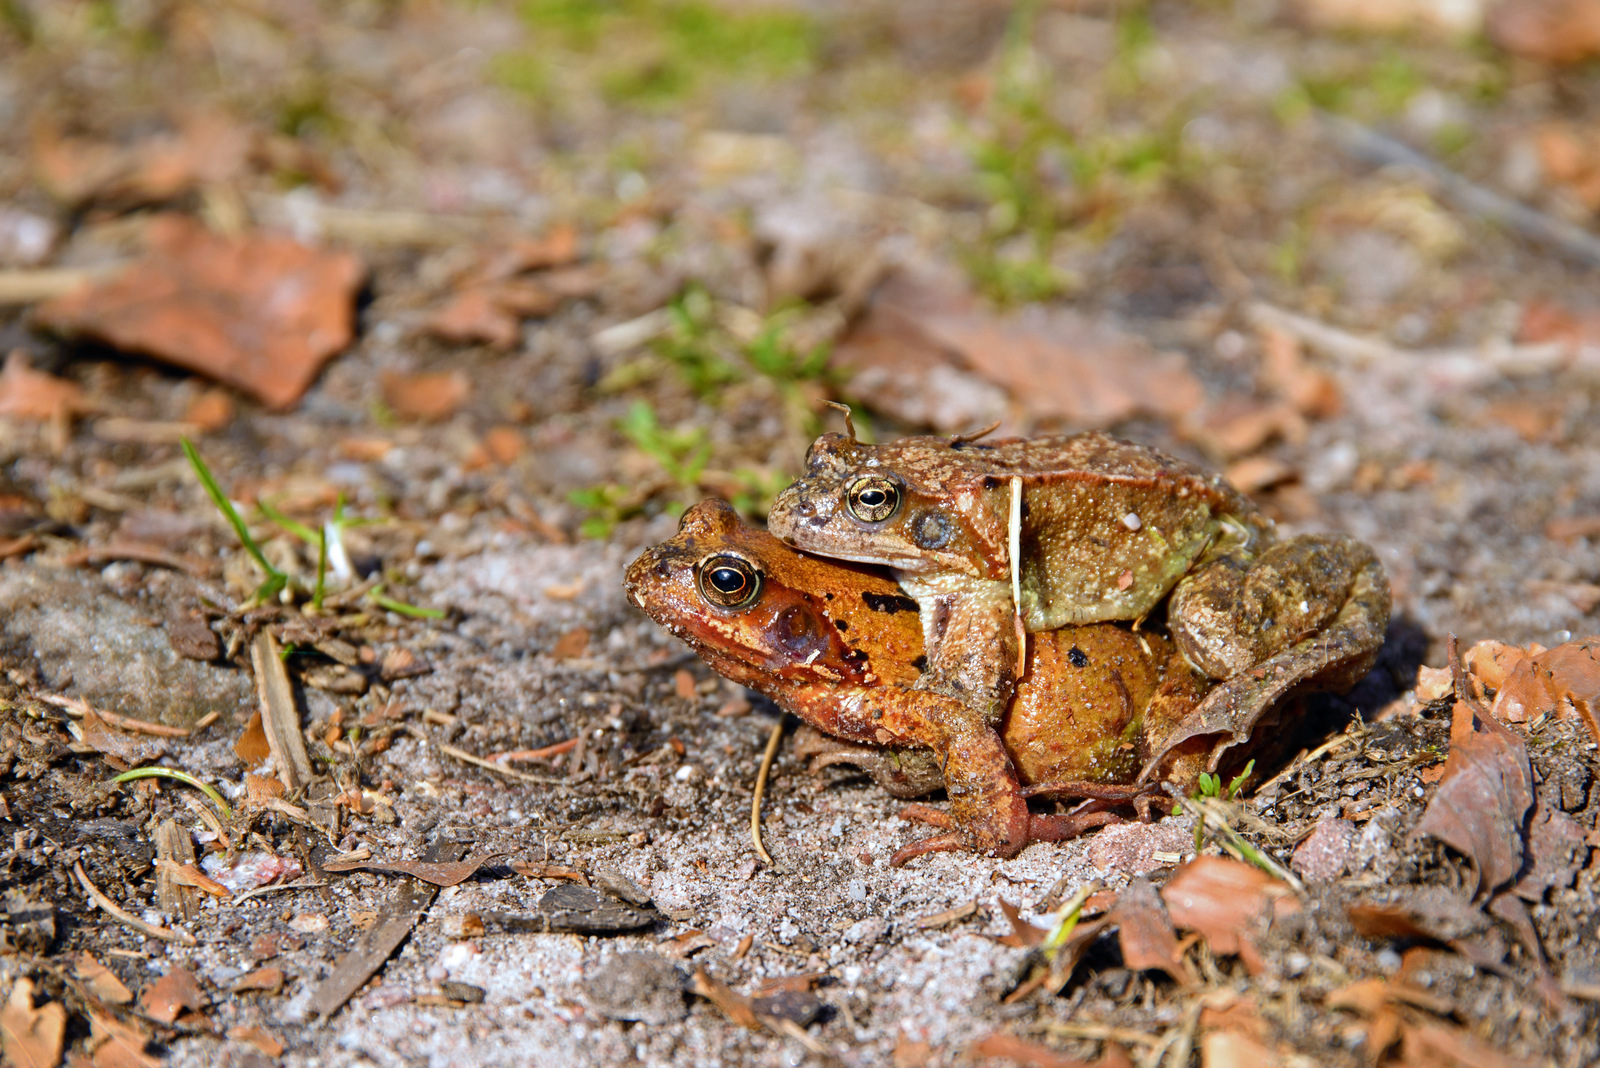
{"x":327,"y":537}
{"x":276,"y":580}
{"x":682,"y":454}
{"x":181,"y":776}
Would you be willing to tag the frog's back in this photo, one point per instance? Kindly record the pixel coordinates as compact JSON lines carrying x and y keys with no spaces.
{"x":1108,"y":526}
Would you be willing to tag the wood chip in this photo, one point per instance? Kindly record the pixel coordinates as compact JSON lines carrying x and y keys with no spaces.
{"x":280,"y":719}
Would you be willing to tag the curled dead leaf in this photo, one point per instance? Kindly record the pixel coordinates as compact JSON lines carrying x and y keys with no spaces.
{"x":259,"y":312}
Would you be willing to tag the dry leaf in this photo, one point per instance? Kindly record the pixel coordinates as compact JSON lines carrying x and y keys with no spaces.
{"x":132,"y":748}
{"x":269,"y":979}
{"x":119,"y":1045}
{"x":1438,"y":1046}
{"x":31,"y":1037}
{"x":1483,"y":798}
{"x":475,"y":316}
{"x":252,"y":747}
{"x":101,"y":981}
{"x":1145,"y":933}
{"x":447,"y":873}
{"x":1235,"y":1049}
{"x":1063,"y":365}
{"x":430,"y":397}
{"x":206,"y":148}
{"x":259,"y":312}
{"x":171,"y":996}
{"x":735,"y":1006}
{"x":29,"y":394}
{"x":1227,"y":902}
{"x":574,"y":643}
{"x":258,"y":1037}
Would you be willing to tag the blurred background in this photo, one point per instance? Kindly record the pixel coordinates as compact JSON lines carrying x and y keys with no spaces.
{"x":556,"y":269}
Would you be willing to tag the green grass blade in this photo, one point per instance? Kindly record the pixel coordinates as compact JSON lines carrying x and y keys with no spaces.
{"x":231,"y":514}
{"x":404,"y":609}
{"x":180,"y":776}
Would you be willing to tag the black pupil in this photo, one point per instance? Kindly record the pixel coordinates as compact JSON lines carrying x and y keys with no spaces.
{"x":874,"y":498}
{"x":727,"y":580}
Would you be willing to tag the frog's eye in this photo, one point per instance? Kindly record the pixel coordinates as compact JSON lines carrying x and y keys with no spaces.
{"x":729,"y":581}
{"x":873,"y":498}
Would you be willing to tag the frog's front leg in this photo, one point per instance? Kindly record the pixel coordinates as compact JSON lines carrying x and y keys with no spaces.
{"x":1334,"y":657}
{"x":969,"y":631}
{"x":1238,"y":611}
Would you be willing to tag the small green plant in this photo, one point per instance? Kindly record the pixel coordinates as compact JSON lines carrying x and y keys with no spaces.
{"x":276,"y":580}
{"x":654,"y":52}
{"x":607,"y":504}
{"x":1211,"y":785}
{"x":682,"y":454}
{"x":328,"y":539}
{"x":757,"y":490}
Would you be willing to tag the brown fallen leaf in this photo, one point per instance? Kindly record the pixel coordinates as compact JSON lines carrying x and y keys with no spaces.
{"x":1432,"y":914}
{"x":171,"y":996}
{"x":1547,"y":31}
{"x":189,"y":875}
{"x":133,"y":749}
{"x":1063,"y":365}
{"x":259,"y":312}
{"x":1431,"y":1045}
{"x":204,"y":148}
{"x":268,"y":978}
{"x":1146,"y":935}
{"x":549,"y":871}
{"x":29,"y":394}
{"x":1556,"y":845}
{"x":1235,"y":1049}
{"x":1563,"y":681}
{"x":475,"y":316}
{"x":1483,"y":799}
{"x":429,"y":397}
{"x":31,"y":1037}
{"x":258,"y":1037}
{"x":118,"y":1044}
{"x":442,"y":873}
{"x":574,"y":643}
{"x":101,"y":981}
{"x":1228,"y":903}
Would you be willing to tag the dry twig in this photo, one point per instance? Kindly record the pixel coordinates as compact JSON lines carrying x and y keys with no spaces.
{"x":761,"y":789}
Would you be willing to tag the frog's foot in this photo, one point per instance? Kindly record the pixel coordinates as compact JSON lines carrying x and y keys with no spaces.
{"x":1333,"y":659}
{"x":903,"y":772}
{"x":1041,"y":828}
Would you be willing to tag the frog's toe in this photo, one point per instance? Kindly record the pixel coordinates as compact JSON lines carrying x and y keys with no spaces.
{"x":934,"y":817}
{"x":1045,"y":828}
{"x":939,"y":843}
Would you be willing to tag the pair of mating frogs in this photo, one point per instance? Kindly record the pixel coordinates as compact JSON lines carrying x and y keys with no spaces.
{"x":1003,"y":652}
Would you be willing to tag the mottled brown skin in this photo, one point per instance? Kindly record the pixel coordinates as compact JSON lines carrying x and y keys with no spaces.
{"x":841,"y":646}
{"x":1108,"y":529}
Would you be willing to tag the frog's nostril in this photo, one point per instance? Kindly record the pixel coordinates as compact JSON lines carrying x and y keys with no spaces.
{"x":817,"y":521}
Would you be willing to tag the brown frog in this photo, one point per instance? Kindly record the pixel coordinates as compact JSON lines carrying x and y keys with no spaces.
{"x":997,"y":538}
{"x":841,"y":646}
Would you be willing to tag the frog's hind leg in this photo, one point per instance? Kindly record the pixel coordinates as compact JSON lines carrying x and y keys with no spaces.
{"x":1238,"y":611}
{"x":1334,"y":658}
